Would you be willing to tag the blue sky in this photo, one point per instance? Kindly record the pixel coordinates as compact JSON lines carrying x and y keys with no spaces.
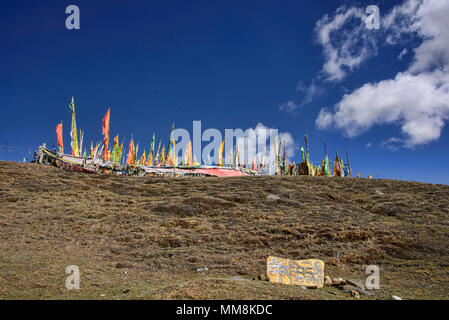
{"x":231,"y":64}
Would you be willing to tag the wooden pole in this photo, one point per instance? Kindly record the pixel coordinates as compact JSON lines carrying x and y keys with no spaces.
{"x":307,"y":146}
{"x":349,"y":165}
{"x":325,"y":148}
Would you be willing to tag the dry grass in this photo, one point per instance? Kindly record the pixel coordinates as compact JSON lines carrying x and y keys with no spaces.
{"x":149,"y":235}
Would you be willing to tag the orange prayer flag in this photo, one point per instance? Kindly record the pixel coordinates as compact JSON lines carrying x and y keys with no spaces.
{"x":129,"y":159}
{"x":59,"y":135}
{"x":106,"y":134}
{"x":106,"y":122}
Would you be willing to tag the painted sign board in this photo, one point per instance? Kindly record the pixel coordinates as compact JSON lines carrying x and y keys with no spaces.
{"x":309,"y":273}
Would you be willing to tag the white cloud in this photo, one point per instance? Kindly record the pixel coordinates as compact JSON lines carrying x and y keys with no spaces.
{"x":433,"y":24}
{"x":391,"y":144}
{"x":289,"y":106}
{"x":400,"y":21}
{"x":403,"y":53}
{"x":324,"y":119}
{"x":344,"y":48}
{"x":417,"y":99}
{"x":310,"y":92}
{"x":347,"y":43}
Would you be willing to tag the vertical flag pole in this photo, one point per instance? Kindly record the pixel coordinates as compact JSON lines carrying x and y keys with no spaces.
{"x":349,"y":166}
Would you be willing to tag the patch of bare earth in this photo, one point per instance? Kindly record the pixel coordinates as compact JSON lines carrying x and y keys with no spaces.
{"x":146,"y":237}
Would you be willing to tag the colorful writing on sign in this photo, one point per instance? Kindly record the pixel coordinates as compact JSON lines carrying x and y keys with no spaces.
{"x":308,"y":272}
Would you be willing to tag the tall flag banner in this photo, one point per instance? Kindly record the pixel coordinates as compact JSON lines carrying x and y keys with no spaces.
{"x":129,"y":159}
{"x":115,"y":151}
{"x":327,"y":168}
{"x":73,"y":134}
{"x":220,"y":154}
{"x":236,"y":157}
{"x":170,"y":146}
{"x":275,"y":151}
{"x":151,"y":153}
{"x":190,"y":162}
{"x":149,"y":159}
{"x":106,"y":134}
{"x":283,"y":157}
{"x":59,"y":135}
{"x":100,"y":151}
{"x":349,"y":165}
{"x":152,"y":145}
{"x":335,"y":164}
{"x":186,"y":154}
{"x":342,"y":167}
{"x":279,"y":157}
{"x":95,"y":150}
{"x":174,"y":161}
{"x":170,"y":154}
{"x":91,"y":149}
{"x":338,"y":169}
{"x":136,"y":152}
{"x":81,"y":141}
{"x":143,"y":159}
{"x":162,"y":156}
{"x":306,"y":138}
{"x":157,"y":159}
{"x":120,"y":151}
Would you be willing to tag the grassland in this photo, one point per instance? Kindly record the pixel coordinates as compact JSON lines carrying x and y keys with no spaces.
{"x":145,"y":238}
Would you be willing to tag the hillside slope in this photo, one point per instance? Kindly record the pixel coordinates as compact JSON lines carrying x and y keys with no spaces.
{"x":146,"y":237}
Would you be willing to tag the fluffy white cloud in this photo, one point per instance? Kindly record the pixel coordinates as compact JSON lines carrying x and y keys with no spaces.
{"x":344,"y":48}
{"x":400,"y":21}
{"x":324,"y":119}
{"x":433,"y":26}
{"x":417,"y":99}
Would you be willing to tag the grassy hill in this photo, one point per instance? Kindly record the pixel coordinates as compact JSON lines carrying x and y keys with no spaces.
{"x":146,"y":237}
